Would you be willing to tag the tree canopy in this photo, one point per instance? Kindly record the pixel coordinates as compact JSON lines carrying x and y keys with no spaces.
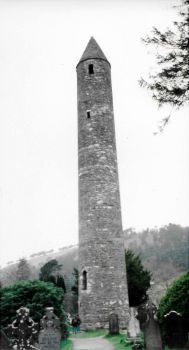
{"x":138,"y":279}
{"x":23,"y":270}
{"x":170,"y":85}
{"x":176,"y":298}
{"x":75,"y":287}
{"x":35,"y":295}
{"x":50,"y":272}
{"x":49,"y":269}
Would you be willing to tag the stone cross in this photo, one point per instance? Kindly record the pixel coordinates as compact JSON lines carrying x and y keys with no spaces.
{"x":22,"y":330}
{"x":134,"y":328}
{"x":50,"y":320}
{"x":49,"y":336}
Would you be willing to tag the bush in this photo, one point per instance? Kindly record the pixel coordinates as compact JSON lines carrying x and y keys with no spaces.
{"x":35,"y":295}
{"x":176,"y":299}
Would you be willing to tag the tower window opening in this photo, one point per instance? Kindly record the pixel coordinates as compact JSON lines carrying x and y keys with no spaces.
{"x":91,"y":69}
{"x":84,"y":280}
{"x":88,"y":114}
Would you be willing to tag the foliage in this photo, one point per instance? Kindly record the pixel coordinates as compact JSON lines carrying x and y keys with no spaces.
{"x":76,"y":281}
{"x":23,"y":270}
{"x":118,"y":342}
{"x":176,"y":298}
{"x":50,"y":273}
{"x":8,"y":275}
{"x":163,"y":251}
{"x":36,"y":295}
{"x":49,"y":269}
{"x":138,"y":279}
{"x":66,"y":344}
{"x":170,"y":85}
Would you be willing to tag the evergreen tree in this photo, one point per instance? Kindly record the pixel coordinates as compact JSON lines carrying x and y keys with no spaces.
{"x":170,"y":85}
{"x":50,"y":272}
{"x":51,"y":268}
{"x":60,"y":283}
{"x":75,"y":288}
{"x":138,"y":279}
{"x":23,"y":270}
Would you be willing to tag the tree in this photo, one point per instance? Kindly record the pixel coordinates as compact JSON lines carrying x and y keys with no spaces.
{"x":138,"y":279}
{"x":23,"y":270}
{"x":175,"y":299}
{"x":170,"y":85}
{"x":59,"y":282}
{"x":49,"y":269}
{"x":50,"y":272}
{"x":36,"y":295}
{"x":75,"y":287}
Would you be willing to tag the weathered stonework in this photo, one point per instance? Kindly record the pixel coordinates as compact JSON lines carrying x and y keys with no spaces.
{"x":102,"y":281}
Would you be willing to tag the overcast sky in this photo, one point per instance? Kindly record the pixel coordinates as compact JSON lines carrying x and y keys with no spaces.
{"x":40,"y":44}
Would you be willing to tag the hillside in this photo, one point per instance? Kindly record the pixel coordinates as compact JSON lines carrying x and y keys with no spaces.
{"x":164,"y":251}
{"x":67,"y":256}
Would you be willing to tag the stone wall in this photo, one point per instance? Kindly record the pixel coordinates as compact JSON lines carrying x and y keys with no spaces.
{"x":101,"y":247}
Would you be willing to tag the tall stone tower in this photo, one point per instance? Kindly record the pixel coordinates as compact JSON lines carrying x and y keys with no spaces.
{"x":102,"y":273}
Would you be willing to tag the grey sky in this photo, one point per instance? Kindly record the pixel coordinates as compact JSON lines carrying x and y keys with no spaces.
{"x":40,"y":45}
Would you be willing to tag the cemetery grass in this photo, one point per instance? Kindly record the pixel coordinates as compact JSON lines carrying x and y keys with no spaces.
{"x":66,"y":344}
{"x":118,"y":342}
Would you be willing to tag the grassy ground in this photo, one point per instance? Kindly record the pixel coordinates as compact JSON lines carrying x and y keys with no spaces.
{"x":118,"y":342}
{"x":66,"y":344}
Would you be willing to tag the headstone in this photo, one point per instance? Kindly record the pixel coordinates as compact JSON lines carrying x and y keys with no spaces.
{"x":134,"y":328}
{"x":152,"y":335}
{"x":113,"y":324}
{"x":49,"y":336}
{"x":23,"y":329}
{"x":176,"y":336}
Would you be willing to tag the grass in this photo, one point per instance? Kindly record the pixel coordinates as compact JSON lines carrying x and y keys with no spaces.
{"x":66,"y":344}
{"x":118,"y":342}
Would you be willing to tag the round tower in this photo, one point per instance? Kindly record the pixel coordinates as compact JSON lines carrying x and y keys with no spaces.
{"x":102,"y":272}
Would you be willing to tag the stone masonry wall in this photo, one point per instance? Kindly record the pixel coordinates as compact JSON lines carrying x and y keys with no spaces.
{"x":101,"y":247}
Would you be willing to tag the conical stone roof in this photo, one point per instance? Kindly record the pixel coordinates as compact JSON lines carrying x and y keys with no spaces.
{"x":93,"y":50}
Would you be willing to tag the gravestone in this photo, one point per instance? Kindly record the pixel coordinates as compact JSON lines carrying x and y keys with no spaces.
{"x":22,"y":330}
{"x":150,"y":326}
{"x":134,"y":328}
{"x":113,"y":324}
{"x":49,"y":335}
{"x":176,"y":335}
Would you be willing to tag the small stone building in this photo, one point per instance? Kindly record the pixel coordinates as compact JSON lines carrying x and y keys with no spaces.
{"x":102,"y":272}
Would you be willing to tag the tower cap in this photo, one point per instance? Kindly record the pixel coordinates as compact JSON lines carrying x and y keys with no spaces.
{"x":93,"y":50}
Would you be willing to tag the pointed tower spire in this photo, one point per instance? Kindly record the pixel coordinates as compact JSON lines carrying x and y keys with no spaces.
{"x":93,"y":51}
